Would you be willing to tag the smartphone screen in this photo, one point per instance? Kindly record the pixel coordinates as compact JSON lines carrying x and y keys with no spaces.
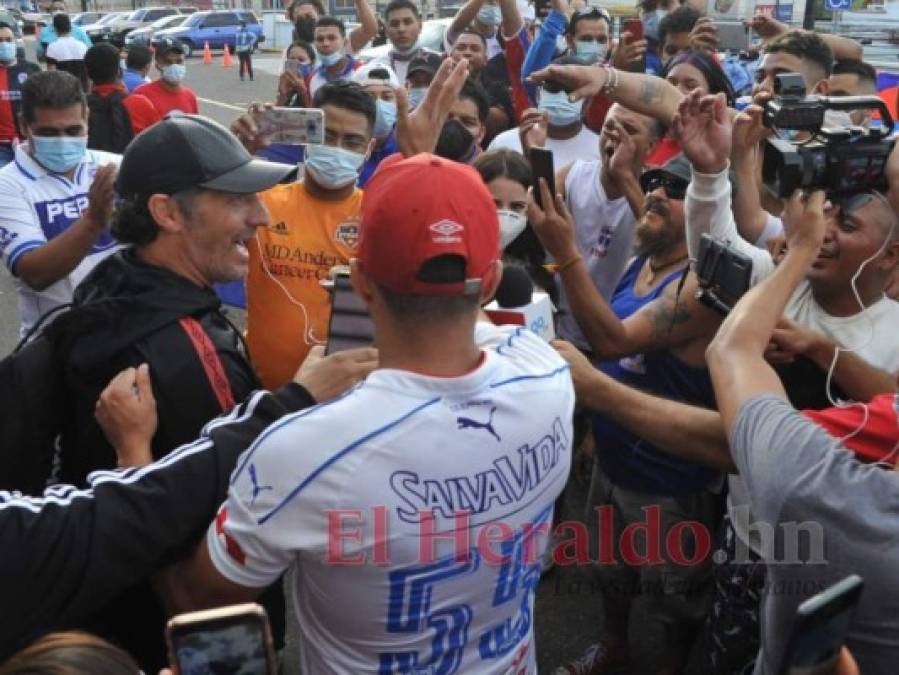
{"x":635,"y":28}
{"x":292,"y":126}
{"x":351,"y":325}
{"x":202,"y":643}
{"x":542,"y":167}
{"x":820,"y":629}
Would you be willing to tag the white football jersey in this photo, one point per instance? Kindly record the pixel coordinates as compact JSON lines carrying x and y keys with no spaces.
{"x":415,"y":509}
{"x":35,"y":207}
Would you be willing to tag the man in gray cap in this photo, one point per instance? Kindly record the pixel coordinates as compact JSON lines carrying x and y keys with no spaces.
{"x":652,"y":335}
{"x":188,"y":207}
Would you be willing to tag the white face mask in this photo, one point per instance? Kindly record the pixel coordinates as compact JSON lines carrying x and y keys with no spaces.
{"x":511,"y":224}
{"x":837,"y":119}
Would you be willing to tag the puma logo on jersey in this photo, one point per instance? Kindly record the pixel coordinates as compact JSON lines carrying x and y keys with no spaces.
{"x":468,"y":423}
{"x":257,"y":488}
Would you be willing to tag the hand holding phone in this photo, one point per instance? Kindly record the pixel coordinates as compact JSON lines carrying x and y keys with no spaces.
{"x":224,"y":640}
{"x":350,"y":325}
{"x":542,"y":167}
{"x":820,"y":629}
{"x":291,"y":126}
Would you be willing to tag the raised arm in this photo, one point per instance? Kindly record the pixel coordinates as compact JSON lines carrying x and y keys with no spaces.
{"x":462,"y":20}
{"x":703,"y":128}
{"x":672,"y":319}
{"x":511,"y":23}
{"x":646,"y":94}
{"x":736,"y":357}
{"x":367,"y":29}
{"x":544,"y":46}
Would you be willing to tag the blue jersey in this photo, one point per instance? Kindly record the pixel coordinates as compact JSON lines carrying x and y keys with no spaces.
{"x":626,"y":459}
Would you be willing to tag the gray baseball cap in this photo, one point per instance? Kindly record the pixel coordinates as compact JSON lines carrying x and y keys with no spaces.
{"x":190,"y":151}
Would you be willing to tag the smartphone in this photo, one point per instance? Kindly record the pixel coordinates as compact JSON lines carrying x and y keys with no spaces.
{"x":292,"y":126}
{"x":221,"y":641}
{"x":724,"y":274}
{"x":635,"y":28}
{"x":733,"y":36}
{"x":820,"y":628}
{"x":542,"y":167}
{"x":351,"y":325}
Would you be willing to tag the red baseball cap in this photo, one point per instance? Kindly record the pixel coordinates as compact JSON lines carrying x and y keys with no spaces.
{"x":419,"y":208}
{"x":876,"y":426}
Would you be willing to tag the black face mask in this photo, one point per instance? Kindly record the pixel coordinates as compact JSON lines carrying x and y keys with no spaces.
{"x":304,"y":29}
{"x":455,"y":141}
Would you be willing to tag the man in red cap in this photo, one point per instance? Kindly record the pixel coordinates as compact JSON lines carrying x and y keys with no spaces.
{"x":414,"y":511}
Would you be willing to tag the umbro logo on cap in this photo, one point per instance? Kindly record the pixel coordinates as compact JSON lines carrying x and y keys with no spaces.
{"x":446,"y":232}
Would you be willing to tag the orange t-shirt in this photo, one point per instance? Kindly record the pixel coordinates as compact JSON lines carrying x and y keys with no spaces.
{"x":305,"y":237}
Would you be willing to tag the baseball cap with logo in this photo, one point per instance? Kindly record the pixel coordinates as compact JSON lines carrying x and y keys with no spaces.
{"x":424,"y":62}
{"x":405,"y":227}
{"x":163,"y":46}
{"x":376,"y":73}
{"x":190,"y":151}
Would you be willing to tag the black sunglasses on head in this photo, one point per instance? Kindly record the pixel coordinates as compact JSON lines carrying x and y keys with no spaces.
{"x":675,"y":188}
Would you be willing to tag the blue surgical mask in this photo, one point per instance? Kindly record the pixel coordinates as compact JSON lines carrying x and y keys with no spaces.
{"x":591,"y":52}
{"x":174,"y":73}
{"x":330,"y":59}
{"x":416,"y":96}
{"x":651,"y":21}
{"x":7,"y":51}
{"x":332,"y":167}
{"x":490,"y":15}
{"x":58,"y":154}
{"x":408,"y":50}
{"x":559,"y":109}
{"x":385,"y":118}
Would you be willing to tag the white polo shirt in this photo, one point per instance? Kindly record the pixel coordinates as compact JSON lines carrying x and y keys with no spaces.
{"x":484,"y":454}
{"x":66,"y":49}
{"x":35,"y":207}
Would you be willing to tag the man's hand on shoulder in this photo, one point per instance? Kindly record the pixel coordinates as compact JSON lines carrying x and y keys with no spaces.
{"x":326,"y":377}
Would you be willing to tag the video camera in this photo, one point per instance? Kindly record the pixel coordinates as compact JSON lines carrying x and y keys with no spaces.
{"x":840,"y":161}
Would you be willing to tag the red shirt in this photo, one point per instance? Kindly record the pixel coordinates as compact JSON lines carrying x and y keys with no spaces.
{"x":140,"y":108}
{"x":874,"y":427}
{"x":165,"y":100}
{"x":8,"y":129}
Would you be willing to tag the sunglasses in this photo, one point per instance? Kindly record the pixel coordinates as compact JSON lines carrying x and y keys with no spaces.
{"x":675,"y":188}
{"x":598,"y":12}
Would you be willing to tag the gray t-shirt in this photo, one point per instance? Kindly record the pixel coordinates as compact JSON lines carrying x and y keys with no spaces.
{"x":802,"y":479}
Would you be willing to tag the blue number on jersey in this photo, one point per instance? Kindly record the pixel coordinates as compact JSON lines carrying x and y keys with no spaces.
{"x":409,"y":611}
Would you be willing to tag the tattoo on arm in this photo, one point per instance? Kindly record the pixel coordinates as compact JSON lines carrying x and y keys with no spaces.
{"x":667,"y":312}
{"x":648,"y":91}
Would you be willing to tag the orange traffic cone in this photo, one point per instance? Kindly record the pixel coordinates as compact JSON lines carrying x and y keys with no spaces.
{"x":207,"y":54}
{"x":227,"y":61}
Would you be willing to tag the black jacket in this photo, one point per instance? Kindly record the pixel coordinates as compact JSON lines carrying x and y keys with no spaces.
{"x":70,"y":553}
{"x":127,"y":313}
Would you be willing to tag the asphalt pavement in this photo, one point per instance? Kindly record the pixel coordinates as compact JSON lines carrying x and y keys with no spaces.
{"x":567,"y":607}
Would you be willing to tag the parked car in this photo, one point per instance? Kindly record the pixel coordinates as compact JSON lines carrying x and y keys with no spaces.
{"x":144,"y":36}
{"x":10,"y":19}
{"x":432,"y":33}
{"x":86,"y":18}
{"x":102,"y":30}
{"x":138,"y":19}
{"x":218,"y":28}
